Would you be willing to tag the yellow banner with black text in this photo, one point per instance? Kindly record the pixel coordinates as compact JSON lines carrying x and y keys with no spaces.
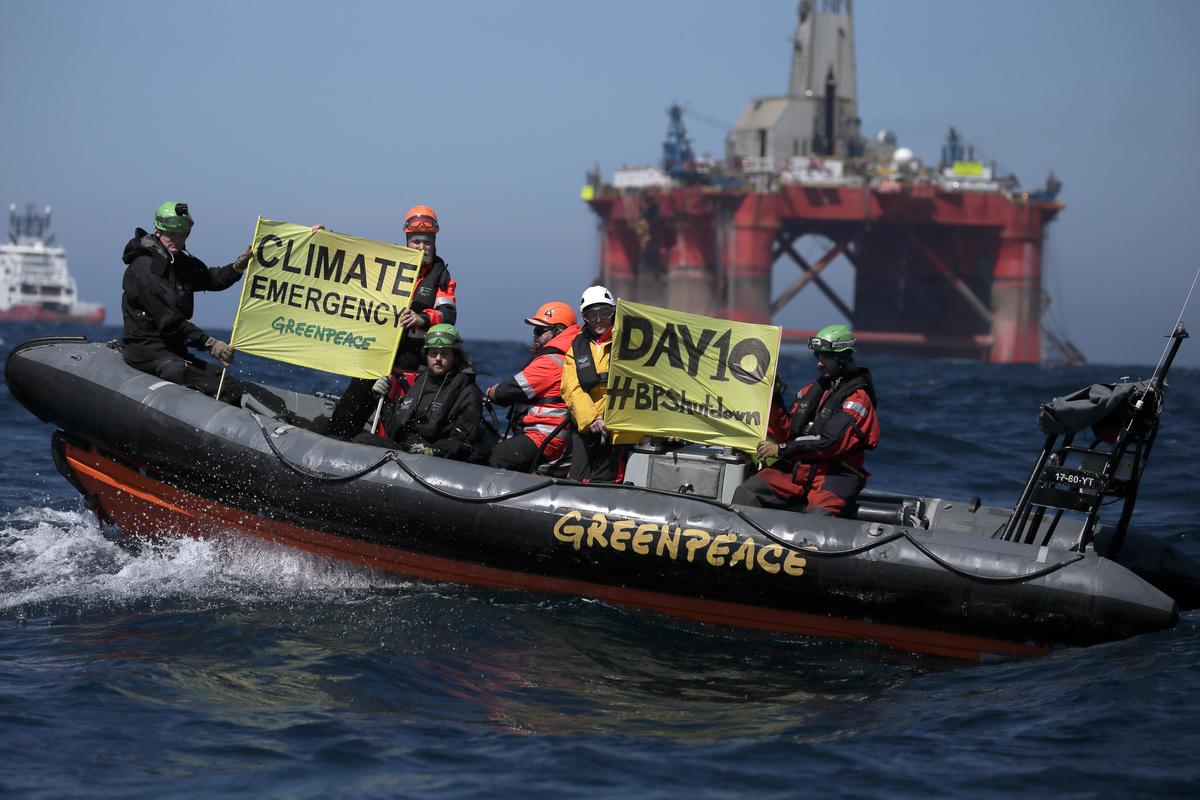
{"x":693,"y":377}
{"x":324,"y":300}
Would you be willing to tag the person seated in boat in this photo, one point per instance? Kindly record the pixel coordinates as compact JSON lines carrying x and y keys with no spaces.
{"x":596,"y":454}
{"x":825,"y":437}
{"x":157,"y":301}
{"x":438,"y":414}
{"x":434,"y":303}
{"x":536,"y":393}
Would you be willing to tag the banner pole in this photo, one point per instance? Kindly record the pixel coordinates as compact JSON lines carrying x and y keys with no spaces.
{"x":375,"y":419}
{"x":237,"y":314}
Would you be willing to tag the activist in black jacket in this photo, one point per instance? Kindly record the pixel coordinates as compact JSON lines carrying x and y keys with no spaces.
{"x":436,"y":416}
{"x":157,"y":304}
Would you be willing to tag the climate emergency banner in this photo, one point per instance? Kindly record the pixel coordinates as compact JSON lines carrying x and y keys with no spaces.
{"x":697,"y":378}
{"x":324,"y":300}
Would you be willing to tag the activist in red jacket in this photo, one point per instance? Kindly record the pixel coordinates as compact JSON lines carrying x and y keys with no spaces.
{"x":831,"y":426}
{"x":535,"y":393}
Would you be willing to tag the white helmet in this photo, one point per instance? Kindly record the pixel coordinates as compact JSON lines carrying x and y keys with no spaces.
{"x":595,"y":295}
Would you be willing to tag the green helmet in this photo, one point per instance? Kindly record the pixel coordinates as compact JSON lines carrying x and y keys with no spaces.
{"x":833,"y":339}
{"x":173,"y":218}
{"x":443,"y":335}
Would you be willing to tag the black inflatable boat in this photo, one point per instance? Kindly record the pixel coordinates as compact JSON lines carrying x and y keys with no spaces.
{"x":916,"y":573}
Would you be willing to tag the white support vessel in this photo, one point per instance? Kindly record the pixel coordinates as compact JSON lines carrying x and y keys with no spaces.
{"x":34,"y":281}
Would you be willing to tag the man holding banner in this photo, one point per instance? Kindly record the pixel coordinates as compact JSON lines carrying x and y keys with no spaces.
{"x":439,"y":415}
{"x":597,"y":450}
{"x":691,"y":377}
{"x":832,"y":425}
{"x":157,"y":301}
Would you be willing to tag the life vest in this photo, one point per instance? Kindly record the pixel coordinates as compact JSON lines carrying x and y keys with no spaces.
{"x":434,"y":297}
{"x":543,"y":414}
{"x":426,"y":295}
{"x":414,"y":415}
{"x":814,"y":408}
{"x":585,"y":367}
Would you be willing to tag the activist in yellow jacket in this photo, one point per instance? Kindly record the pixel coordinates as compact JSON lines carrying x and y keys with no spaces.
{"x":588,"y":404}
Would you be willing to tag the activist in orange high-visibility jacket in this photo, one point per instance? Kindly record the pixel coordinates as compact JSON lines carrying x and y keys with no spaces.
{"x":537,"y":391}
{"x":825,"y":437}
{"x":597,"y":454}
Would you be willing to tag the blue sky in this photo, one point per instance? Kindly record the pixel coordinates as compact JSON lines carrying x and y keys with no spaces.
{"x":492,"y":112}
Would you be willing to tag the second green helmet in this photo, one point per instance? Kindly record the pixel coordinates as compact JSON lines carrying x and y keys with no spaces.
{"x":443,"y":335}
{"x":172,"y":217}
{"x":833,"y":339}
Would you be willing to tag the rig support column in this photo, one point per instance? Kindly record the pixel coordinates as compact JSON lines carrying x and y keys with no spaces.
{"x":691,"y":278}
{"x":617,"y":248}
{"x":748,"y":259}
{"x":1017,"y":293}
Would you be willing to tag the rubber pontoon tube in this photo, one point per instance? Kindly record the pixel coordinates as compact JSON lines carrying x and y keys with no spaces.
{"x":392,"y":455}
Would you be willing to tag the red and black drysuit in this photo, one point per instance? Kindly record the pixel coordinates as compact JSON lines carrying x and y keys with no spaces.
{"x":828,"y":432}
{"x":157,"y":301}
{"x":433,"y":299}
{"x":439,"y":413}
{"x":536,"y":392}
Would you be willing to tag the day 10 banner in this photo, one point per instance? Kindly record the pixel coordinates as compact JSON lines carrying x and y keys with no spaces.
{"x":324,"y":300}
{"x":697,"y":378}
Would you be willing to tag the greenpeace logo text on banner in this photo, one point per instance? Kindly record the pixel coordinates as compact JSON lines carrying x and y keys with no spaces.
{"x":322,"y":333}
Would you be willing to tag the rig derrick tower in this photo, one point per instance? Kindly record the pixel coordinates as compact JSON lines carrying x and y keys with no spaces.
{"x":947,"y":261}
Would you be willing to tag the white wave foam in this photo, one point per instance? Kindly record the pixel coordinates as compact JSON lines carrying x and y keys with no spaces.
{"x":50,"y":556}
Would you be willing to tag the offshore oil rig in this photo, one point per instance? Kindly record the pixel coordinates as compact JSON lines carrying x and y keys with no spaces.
{"x":947,"y":260}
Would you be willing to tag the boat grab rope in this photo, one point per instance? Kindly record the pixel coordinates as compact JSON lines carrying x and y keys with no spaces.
{"x":393,"y":456}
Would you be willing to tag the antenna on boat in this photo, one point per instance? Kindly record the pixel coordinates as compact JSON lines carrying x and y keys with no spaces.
{"x":1177,"y":333}
{"x":1110,"y":468}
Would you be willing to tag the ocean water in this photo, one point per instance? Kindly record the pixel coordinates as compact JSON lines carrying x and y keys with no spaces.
{"x":201,"y":669}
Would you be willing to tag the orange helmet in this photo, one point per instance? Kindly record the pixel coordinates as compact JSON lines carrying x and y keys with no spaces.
{"x":553,"y":313}
{"x":421,"y":219}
